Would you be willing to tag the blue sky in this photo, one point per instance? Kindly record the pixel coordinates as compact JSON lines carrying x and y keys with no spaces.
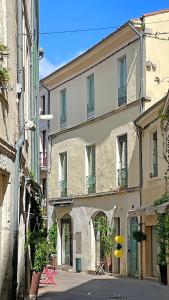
{"x":66,"y":15}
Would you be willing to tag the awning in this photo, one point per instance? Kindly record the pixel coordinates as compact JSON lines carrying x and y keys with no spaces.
{"x":149,"y":210}
{"x":60,"y":202}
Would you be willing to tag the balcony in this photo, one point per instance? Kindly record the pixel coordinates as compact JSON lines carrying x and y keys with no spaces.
{"x":122,"y":177}
{"x":43,"y":159}
{"x":122,"y":95}
{"x":91,"y":184}
{"x":63,"y":120}
{"x":63,"y":187}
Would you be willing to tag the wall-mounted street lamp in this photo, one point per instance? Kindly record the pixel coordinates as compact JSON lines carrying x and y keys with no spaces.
{"x":30,"y":125}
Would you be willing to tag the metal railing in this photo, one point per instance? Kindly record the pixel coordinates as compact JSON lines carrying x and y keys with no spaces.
{"x":122,"y":177}
{"x":43,"y":159}
{"x":63,"y":187}
{"x":91,"y":183}
{"x":122,"y":95}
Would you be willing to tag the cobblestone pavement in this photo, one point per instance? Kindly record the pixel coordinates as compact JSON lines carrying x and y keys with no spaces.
{"x":82,"y":286}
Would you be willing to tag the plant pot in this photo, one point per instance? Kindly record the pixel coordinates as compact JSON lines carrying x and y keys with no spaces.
{"x":108,"y":263}
{"x":54,"y":260}
{"x":163,"y":273}
{"x":34,"y":285}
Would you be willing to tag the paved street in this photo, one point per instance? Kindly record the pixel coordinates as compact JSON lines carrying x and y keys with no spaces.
{"x":81,"y":286}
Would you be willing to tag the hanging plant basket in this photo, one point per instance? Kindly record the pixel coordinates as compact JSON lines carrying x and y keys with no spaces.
{"x":139,"y":236}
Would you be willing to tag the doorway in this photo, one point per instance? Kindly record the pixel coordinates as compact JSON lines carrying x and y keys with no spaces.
{"x":99,"y":247}
{"x":66,"y":233}
{"x":133,"y":249}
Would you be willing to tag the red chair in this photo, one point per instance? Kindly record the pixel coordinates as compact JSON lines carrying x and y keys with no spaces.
{"x":49,"y":273}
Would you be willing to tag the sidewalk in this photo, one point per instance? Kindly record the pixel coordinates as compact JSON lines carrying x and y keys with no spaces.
{"x":82,"y":286}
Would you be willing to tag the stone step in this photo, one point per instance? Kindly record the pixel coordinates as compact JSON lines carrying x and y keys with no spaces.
{"x":65,"y":268}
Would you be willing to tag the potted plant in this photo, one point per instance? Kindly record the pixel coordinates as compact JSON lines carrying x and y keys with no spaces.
{"x":52,"y":241}
{"x":139,"y":236}
{"x":107,"y":234}
{"x":162,"y":232}
{"x":4,"y":78}
{"x":39,"y":250}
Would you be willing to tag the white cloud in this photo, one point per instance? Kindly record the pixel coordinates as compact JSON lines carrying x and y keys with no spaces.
{"x":46,"y":67}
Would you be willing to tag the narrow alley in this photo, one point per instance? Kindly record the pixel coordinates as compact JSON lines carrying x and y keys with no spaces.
{"x":82,"y":286}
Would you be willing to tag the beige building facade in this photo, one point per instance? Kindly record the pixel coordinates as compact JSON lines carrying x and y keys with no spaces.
{"x":16,"y":105}
{"x":93,"y":145}
{"x":154,"y":184}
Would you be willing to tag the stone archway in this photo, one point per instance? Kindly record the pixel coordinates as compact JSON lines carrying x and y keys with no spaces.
{"x":97,"y":253}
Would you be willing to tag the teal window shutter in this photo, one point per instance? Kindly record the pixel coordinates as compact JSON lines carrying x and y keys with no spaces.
{"x":91,"y":94}
{"x":122,"y":89}
{"x":63,"y":107}
{"x":123,"y":72}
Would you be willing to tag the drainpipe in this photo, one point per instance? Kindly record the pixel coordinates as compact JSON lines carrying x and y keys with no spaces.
{"x":139,"y":131}
{"x":19,"y":145}
{"x":35,"y":89}
{"x":142,"y":76}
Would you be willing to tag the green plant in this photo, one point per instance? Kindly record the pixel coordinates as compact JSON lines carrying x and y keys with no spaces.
{"x":107,"y":234}
{"x":37,"y":240}
{"x":30,"y":173}
{"x":41,"y":256}
{"x":3,"y":48}
{"x":162,"y":231}
{"x":4,"y":77}
{"x":52,"y":237}
{"x":139,"y":236}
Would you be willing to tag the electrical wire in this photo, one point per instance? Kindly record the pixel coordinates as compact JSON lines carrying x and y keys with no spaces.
{"x":93,"y":29}
{"x":79,"y":30}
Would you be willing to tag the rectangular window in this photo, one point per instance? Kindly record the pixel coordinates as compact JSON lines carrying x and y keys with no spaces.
{"x":91,"y":96}
{"x":154,"y":155}
{"x":43,"y":105}
{"x":44,"y":187}
{"x":122,"y":154}
{"x":122,"y":90}
{"x":91,"y":176}
{"x":63,"y":108}
{"x":43,"y":153}
{"x":63,"y":173}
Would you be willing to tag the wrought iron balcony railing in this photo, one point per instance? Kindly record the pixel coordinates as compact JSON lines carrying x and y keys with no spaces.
{"x":90,"y":107}
{"x":122,"y":177}
{"x":91,"y":183}
{"x":63,"y":187}
{"x":122,"y":95}
{"x":43,"y":159}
